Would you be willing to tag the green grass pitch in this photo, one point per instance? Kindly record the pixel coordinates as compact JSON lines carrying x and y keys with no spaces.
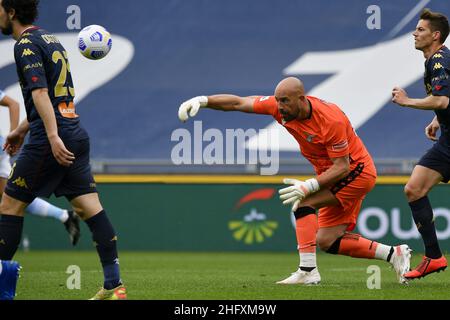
{"x":222,"y":276}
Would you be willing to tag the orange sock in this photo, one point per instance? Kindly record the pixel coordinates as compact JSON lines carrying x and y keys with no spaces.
{"x":356,"y":246}
{"x":306,"y":231}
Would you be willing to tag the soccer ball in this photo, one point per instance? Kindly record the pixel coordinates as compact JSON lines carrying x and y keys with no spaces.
{"x":94,"y":42}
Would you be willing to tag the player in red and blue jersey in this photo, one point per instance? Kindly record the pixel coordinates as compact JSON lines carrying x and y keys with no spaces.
{"x":434,"y":167}
{"x":56,"y":158}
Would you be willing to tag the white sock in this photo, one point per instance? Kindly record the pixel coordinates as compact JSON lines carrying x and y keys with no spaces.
{"x":308,"y":259}
{"x":382,"y":252}
{"x":42,"y":208}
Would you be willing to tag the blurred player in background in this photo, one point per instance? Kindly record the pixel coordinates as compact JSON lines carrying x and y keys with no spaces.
{"x":345,"y":174}
{"x":38,"y":207}
{"x":56,"y":158}
{"x":434,"y":167}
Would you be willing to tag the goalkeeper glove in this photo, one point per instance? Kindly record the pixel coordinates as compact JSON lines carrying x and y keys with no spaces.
{"x":191,"y":107}
{"x":298,"y":191}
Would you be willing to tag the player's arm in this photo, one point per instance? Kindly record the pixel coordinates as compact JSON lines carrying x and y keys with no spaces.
{"x":222,"y":102}
{"x":431,"y":102}
{"x":338,"y":171}
{"x":44,"y":107}
{"x":438,"y":92}
{"x":226,"y":102}
{"x":14,"y":111}
{"x":300,"y":190}
{"x":336,"y":144}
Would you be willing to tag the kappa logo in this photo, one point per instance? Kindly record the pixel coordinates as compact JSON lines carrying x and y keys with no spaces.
{"x":25,"y":41}
{"x":27,"y":52}
{"x":20,"y":182}
{"x":437,"y":66}
{"x":437,"y":55}
{"x":254,"y":227}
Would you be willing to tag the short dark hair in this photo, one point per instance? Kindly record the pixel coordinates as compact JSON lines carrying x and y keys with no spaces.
{"x":26,"y":10}
{"x":438,"y":22}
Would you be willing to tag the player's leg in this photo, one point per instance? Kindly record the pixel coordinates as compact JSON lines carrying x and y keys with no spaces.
{"x":2,"y":185}
{"x":306,"y":227}
{"x":88,"y":206}
{"x":11,"y":225}
{"x":416,"y":190}
{"x":79,"y":187}
{"x":5,"y":170}
{"x":35,"y":172}
{"x":71,"y":221}
{"x":420,"y":183}
{"x":44,"y":209}
{"x":335,"y":223}
{"x":335,"y":240}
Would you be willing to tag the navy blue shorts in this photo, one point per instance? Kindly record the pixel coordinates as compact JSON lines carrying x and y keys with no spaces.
{"x":36,"y":173}
{"x":437,"y":160}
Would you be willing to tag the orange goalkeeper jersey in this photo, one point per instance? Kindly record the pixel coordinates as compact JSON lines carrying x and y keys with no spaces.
{"x":326,"y":134}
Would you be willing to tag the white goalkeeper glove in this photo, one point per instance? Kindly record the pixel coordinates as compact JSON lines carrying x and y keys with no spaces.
{"x":298,"y":191}
{"x":191,"y":107}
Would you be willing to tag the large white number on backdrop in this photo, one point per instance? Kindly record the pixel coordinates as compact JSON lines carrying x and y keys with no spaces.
{"x":362,"y":80}
{"x":87,"y":75}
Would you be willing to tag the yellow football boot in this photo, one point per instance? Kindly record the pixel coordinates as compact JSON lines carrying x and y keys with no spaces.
{"x":119,"y":293}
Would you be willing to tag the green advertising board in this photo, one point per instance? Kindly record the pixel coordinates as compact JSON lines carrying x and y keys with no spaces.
{"x":229,"y":217}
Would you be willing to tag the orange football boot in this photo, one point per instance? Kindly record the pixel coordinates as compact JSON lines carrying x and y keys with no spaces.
{"x":426,"y":267}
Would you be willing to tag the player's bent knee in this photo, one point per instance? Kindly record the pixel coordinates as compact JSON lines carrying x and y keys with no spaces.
{"x":79,"y":212}
{"x":87,"y":205}
{"x":413,"y":192}
{"x":12,"y":206}
{"x":325,"y":242}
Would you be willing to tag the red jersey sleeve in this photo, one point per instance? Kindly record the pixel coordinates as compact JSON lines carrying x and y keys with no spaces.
{"x":265,"y":105}
{"x":336,"y":139}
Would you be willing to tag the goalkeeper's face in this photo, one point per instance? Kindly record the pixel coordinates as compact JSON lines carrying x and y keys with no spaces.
{"x":289,"y":105}
{"x":290,"y":96}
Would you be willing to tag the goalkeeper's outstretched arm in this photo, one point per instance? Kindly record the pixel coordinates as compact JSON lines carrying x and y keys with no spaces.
{"x":222,"y":102}
{"x":227,"y":102}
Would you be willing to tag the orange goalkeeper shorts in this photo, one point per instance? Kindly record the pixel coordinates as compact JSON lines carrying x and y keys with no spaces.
{"x":350,"y":192}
